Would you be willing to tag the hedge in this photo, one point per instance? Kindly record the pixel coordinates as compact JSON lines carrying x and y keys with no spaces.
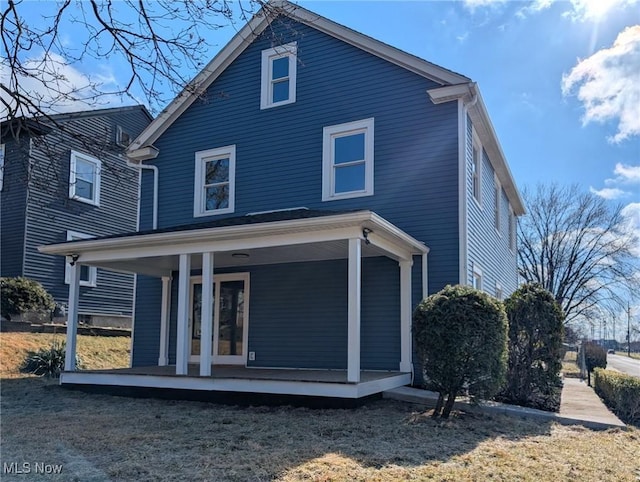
{"x":620,"y":392}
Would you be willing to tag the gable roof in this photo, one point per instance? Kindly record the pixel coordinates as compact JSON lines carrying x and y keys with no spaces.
{"x":251,"y":31}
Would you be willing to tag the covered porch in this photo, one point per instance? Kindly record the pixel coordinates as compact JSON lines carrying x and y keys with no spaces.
{"x":212,"y":253}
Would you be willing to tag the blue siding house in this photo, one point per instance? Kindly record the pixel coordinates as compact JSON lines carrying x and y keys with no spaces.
{"x":64,"y":178}
{"x":298,"y":201}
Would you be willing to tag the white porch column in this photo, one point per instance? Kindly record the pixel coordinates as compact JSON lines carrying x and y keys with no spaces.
{"x":207,"y":315}
{"x":354,"y":287}
{"x":182,"y":348}
{"x":72,"y":318}
{"x":405,"y":315}
{"x":163,"y":358}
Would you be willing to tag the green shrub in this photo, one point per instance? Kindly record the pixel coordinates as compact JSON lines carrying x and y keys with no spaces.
{"x":621,"y":393}
{"x":594,"y":356}
{"x":461,"y":337}
{"x":535,"y":349}
{"x":47,"y":361}
{"x":21,"y":295}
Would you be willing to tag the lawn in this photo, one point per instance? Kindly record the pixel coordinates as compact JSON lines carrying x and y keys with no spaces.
{"x":99,"y":437}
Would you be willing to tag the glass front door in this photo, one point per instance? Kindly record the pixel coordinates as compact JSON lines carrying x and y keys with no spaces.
{"x":230,"y":316}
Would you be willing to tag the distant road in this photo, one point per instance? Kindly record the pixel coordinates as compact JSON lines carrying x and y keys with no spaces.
{"x":624,"y":364}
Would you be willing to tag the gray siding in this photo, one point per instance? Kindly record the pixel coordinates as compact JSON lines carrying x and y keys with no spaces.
{"x":488,"y":248}
{"x":50,"y":213}
{"x":13,"y":203}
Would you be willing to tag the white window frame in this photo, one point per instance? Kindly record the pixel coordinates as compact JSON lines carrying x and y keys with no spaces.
{"x":512,"y":230}
{"x":330,"y":133}
{"x":497,"y":208}
{"x":75,"y":156}
{"x":476,"y":277}
{"x":199,"y":199}
{"x":1,"y":166}
{"x":93,"y":271}
{"x":476,"y":173}
{"x":290,"y":51}
{"x":499,"y":291}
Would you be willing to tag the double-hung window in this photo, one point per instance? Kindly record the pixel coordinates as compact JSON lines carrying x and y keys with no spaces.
{"x":88,"y":274}
{"x":279,"y":71}
{"x":497,"y":203}
{"x":512,"y":230}
{"x":84,"y":178}
{"x":476,"y":277}
{"x":476,"y":168}
{"x":214,"y":189}
{"x":347,"y":160}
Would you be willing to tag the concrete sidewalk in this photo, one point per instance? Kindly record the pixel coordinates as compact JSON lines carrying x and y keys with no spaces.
{"x":579,"y":406}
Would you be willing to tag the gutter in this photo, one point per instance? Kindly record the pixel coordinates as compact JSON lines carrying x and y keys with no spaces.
{"x":134,"y":159}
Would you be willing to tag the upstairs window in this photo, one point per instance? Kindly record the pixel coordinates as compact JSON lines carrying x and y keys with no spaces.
{"x":279,"y":69}
{"x":476,"y":277}
{"x":476,"y":169}
{"x":88,"y":274}
{"x":512,"y":230}
{"x":123,"y":138}
{"x":499,"y":292}
{"x":214,"y":189}
{"x":347,"y":160}
{"x":84,"y":178}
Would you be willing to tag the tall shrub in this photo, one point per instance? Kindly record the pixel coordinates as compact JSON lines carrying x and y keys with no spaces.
{"x":461,"y":336}
{"x":594,"y":356}
{"x":535,"y":349}
{"x":21,"y":295}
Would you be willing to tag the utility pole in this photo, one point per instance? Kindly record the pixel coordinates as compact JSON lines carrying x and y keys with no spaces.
{"x":628,"y":330}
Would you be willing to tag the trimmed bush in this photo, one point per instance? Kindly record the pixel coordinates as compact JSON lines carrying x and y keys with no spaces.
{"x":620,"y":392}
{"x":535,"y":349}
{"x":461,"y":337}
{"x":21,"y":295}
{"x":594,"y":356}
{"x":47,"y":361}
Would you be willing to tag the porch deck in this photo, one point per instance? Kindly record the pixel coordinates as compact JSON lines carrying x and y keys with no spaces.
{"x":240,"y":379}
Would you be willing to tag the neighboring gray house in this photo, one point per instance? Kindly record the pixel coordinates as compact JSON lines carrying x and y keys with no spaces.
{"x":67,"y":178}
{"x":290,"y":226}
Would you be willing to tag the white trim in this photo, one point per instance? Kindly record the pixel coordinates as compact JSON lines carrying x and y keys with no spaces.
{"x":97,"y":166}
{"x":182,"y":338}
{"x":282,"y":387}
{"x":201,"y":159}
{"x":405,"y":316}
{"x":206,"y":320}
{"x":476,"y":277}
{"x":93,"y":271}
{"x":477,"y":161}
{"x":513,"y":226}
{"x":499,"y":291}
{"x":353,"y":319}
{"x":72,"y":318}
{"x":1,"y":166}
{"x":289,"y":51}
{"x":462,"y":193}
{"x":425,"y":275}
{"x":163,"y":358}
{"x":329,"y":134}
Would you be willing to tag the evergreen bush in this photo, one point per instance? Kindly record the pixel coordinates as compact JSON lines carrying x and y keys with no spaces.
{"x":461,"y":337}
{"x":621,"y":393}
{"x":22,"y":295}
{"x":594,"y":356}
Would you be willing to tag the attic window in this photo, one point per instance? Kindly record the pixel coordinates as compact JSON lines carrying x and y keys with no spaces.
{"x":279,"y":70}
{"x":123,"y":139}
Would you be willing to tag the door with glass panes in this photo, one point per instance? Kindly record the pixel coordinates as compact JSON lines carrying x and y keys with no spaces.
{"x":230,"y":318}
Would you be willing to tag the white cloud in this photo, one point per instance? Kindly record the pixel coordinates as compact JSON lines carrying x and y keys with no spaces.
{"x":607,"y":84}
{"x":609,"y":193}
{"x":627,"y":173}
{"x":631,"y":212}
{"x":595,"y":10}
{"x":55,"y":87}
{"x":473,"y":4}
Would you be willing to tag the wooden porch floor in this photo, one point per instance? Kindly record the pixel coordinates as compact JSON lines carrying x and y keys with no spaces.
{"x":247,"y":373}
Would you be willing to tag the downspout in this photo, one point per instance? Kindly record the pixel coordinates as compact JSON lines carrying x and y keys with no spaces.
{"x":145,"y":154}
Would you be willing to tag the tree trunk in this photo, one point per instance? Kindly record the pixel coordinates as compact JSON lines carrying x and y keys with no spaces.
{"x":439,"y":403}
{"x":449,"y":405}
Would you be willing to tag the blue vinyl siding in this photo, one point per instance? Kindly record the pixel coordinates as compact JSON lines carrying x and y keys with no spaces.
{"x":488,"y":248}
{"x":146,"y":328}
{"x":279,"y":150}
{"x":49,"y":212}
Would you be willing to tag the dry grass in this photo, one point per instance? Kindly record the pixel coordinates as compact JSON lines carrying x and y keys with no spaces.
{"x":99,"y":437}
{"x":96,"y":352}
{"x":569,"y":366}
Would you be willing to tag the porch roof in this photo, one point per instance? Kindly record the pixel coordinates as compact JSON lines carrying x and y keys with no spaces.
{"x":259,"y":238}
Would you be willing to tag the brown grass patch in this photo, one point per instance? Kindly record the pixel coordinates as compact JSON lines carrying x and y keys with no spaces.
{"x":99,"y":437}
{"x":96,"y":352}
{"x":570,"y":366}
